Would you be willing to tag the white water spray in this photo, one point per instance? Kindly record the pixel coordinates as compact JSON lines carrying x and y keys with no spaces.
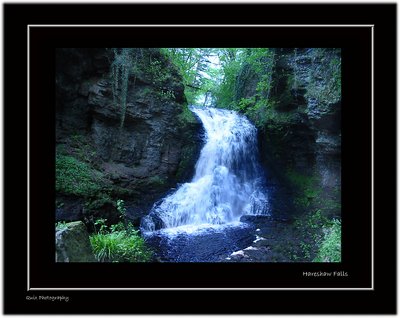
{"x":227,"y":183}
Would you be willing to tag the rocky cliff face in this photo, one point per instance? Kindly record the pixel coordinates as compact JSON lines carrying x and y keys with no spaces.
{"x":155,"y":146}
{"x":301,"y":140}
{"x":293,"y":96}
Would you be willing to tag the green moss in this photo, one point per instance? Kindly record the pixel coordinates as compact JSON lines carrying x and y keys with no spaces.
{"x":98,"y":202}
{"x":79,"y":147}
{"x":298,"y":179}
{"x":186,"y":116}
{"x":310,"y":195}
{"x":307,"y":186}
{"x":327,"y":67}
{"x":117,"y":191}
{"x":76,"y":177}
{"x":157,"y":181}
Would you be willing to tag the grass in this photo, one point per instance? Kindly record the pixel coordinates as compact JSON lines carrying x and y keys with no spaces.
{"x":119,"y":244}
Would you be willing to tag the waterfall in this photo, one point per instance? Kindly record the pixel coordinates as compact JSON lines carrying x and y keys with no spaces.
{"x":227,"y":183}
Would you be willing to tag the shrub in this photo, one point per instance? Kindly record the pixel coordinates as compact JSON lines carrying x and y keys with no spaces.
{"x":331,"y":246}
{"x":121,"y":209}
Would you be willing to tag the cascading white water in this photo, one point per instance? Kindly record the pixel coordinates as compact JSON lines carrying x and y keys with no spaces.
{"x":227,"y":182}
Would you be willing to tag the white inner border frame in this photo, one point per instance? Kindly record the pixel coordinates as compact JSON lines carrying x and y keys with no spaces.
{"x":371,"y":26}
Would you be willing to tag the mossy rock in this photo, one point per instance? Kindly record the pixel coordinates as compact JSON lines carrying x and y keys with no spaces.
{"x":73,"y":245}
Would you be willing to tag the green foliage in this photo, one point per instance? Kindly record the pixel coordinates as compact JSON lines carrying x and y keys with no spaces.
{"x":316,"y":232}
{"x":331,"y":247}
{"x":159,"y":75}
{"x":167,"y":94}
{"x":310,"y":195}
{"x":61,"y":225}
{"x":263,"y":62}
{"x":308,"y":230}
{"x":313,"y":226}
{"x":231,"y":61}
{"x":306,"y":249}
{"x":186,"y":116}
{"x":98,"y":201}
{"x":118,"y":244}
{"x":224,"y":84}
{"x":121,"y":208}
{"x":134,"y":62}
{"x":247,"y":83}
{"x":246,"y":103}
{"x":101,"y":225}
{"x":76,"y":177}
{"x":244,"y":80}
{"x":311,"y":220}
{"x":117,"y":227}
{"x":82,"y":149}
{"x":194,"y":66}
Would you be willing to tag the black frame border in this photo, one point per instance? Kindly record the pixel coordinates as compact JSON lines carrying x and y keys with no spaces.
{"x":381,"y":16}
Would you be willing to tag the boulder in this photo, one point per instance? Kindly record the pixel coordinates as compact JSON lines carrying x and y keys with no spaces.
{"x":73,"y":245}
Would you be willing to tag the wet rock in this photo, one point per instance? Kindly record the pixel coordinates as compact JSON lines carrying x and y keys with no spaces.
{"x":152,"y":222}
{"x":254,"y":219}
{"x":257,"y":254}
{"x":208,"y":245}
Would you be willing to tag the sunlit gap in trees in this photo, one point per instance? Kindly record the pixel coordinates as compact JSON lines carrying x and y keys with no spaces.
{"x":209,"y":74}
{"x":205,"y":99}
